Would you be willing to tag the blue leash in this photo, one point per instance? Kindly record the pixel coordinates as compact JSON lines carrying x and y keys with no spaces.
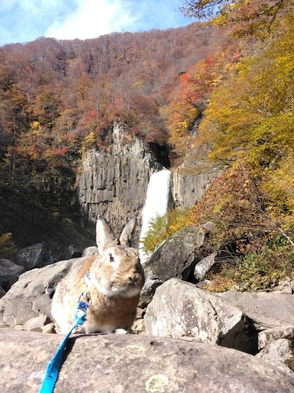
{"x":54,"y":365}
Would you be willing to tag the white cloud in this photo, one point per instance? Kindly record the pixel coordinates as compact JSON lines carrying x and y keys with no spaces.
{"x":93,"y":18}
{"x":26,"y":20}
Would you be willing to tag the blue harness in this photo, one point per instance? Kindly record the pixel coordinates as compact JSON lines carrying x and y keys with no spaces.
{"x":54,"y":365}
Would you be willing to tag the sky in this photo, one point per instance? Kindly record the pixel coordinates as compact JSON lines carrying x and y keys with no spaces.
{"x":26,"y":20}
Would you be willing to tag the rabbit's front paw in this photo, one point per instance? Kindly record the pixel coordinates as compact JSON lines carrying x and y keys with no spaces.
{"x":121,"y":331}
{"x":79,"y":330}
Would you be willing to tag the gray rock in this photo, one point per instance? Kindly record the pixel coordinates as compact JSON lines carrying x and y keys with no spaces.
{"x":188,"y":188}
{"x":204,"y":266}
{"x":176,"y":258}
{"x":9,"y":273}
{"x":180,"y":309}
{"x":285,"y":286}
{"x":268,"y":336}
{"x":147,"y":293}
{"x":281,"y":354}
{"x":35,"y":256}
{"x":133,"y":364}
{"x":29,"y":296}
{"x":73,"y":252}
{"x":267,"y":310}
{"x":2,"y":292}
{"x":114,"y":183}
{"x":37,"y":323}
{"x":93,"y":250}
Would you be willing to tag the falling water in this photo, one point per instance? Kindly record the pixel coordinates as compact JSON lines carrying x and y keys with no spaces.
{"x":156,"y":203}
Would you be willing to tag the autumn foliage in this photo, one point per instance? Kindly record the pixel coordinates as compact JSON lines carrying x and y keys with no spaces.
{"x":219,"y":94}
{"x":245,"y":106}
{"x":59,"y":98}
{"x":189,"y":103}
{"x":247,"y":132}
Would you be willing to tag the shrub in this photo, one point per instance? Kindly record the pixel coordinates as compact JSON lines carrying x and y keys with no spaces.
{"x":162,"y":227}
{"x":256,"y":271}
{"x":7,"y":248}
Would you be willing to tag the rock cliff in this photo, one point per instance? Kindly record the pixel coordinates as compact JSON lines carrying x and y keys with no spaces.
{"x":114,"y":182}
{"x":188,"y":188}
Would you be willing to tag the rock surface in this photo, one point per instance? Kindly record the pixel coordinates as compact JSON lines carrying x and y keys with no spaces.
{"x":29,"y":296}
{"x":179,"y":309}
{"x":134,"y":364}
{"x":266,"y":337}
{"x":36,"y":324}
{"x":188,"y":188}
{"x":279,"y":353}
{"x":114,"y":183}
{"x":9,"y":274}
{"x":267,"y":310}
{"x":35,"y":256}
{"x":73,"y":252}
{"x":176,"y":258}
{"x":204,"y":265}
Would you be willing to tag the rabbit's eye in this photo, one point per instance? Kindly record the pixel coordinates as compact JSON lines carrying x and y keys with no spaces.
{"x":111,"y":259}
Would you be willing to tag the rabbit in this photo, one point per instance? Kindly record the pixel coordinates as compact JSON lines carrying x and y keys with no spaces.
{"x":111,"y":282}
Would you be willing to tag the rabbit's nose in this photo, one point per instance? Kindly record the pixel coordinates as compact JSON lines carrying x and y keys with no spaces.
{"x":133,"y":279}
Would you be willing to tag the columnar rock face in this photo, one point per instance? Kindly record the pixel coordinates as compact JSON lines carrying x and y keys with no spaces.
{"x":188,"y":188}
{"x":114,"y":183}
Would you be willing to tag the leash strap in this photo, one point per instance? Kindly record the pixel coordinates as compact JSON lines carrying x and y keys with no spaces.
{"x":54,"y":365}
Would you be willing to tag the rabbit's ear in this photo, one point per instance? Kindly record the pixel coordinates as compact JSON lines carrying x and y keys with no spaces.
{"x":126,"y":235}
{"x":104,"y":235}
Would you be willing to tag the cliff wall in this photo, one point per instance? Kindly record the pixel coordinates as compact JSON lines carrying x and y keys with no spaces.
{"x":188,"y":188}
{"x":114,"y":183}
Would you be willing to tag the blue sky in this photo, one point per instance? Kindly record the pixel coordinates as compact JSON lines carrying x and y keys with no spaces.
{"x":26,"y":20}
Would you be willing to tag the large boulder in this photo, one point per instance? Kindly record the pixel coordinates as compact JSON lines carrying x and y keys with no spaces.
{"x":180,"y":309}
{"x":29,"y":296}
{"x":268,"y":336}
{"x":134,"y":364}
{"x":177,"y":258}
{"x":267,"y":310}
{"x":35,"y":256}
{"x":279,"y":353}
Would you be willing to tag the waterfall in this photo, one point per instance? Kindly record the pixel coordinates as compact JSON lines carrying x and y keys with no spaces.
{"x":156,"y":203}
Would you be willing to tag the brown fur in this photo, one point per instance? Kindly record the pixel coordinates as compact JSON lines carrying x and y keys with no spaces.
{"x":116,"y":278}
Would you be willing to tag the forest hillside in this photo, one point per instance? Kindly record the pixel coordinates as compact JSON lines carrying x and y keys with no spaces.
{"x":243,"y":112}
{"x":217,"y":93}
{"x":60,"y":98}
